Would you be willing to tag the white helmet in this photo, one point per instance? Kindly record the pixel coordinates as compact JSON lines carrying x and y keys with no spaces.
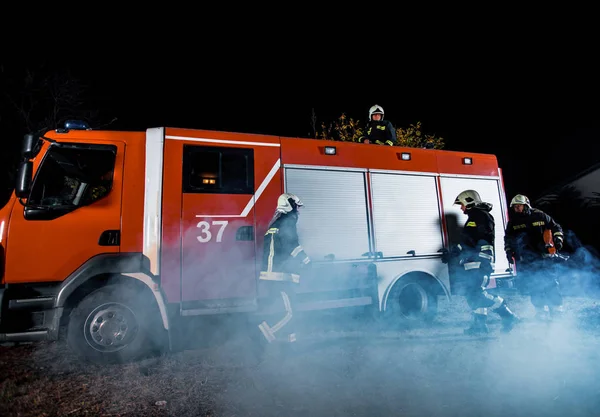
{"x":376,"y":109}
{"x":520,"y":199}
{"x":288,"y":202}
{"x":468,"y":198}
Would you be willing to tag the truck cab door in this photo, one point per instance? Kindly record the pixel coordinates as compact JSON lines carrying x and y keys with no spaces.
{"x":72,"y":214}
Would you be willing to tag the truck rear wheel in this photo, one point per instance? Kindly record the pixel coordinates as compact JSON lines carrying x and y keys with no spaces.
{"x":412,"y":299}
{"x":114,"y":324}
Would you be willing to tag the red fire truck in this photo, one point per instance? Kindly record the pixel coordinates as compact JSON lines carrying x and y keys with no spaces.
{"x":116,"y":236}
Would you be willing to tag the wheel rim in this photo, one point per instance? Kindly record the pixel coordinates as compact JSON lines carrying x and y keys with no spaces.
{"x":412,"y":301}
{"x":110,"y":327}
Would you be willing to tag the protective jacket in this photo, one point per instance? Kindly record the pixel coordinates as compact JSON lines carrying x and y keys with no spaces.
{"x":524,"y":236}
{"x":380,"y":132}
{"x":476,"y":248}
{"x":283,"y":256}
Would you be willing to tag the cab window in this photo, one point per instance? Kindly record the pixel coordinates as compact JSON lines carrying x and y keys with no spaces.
{"x":73,"y":175}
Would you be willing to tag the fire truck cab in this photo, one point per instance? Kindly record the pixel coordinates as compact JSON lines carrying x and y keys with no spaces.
{"x":114,"y":236}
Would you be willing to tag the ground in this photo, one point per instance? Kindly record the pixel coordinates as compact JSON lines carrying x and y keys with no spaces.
{"x":342,"y":368}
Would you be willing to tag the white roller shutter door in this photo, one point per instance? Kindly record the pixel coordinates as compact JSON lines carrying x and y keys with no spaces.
{"x":406,"y":214}
{"x":334,"y":218}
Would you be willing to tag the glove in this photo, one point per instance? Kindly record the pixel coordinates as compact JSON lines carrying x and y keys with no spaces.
{"x":445,"y":255}
{"x":558,"y":243}
{"x":448,"y":254}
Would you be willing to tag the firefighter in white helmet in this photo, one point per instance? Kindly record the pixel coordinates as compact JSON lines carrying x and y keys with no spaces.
{"x":378,"y":130}
{"x":474,"y":259}
{"x":283,"y":260}
{"x":536,"y":266}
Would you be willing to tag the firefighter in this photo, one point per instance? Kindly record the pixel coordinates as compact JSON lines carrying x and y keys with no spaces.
{"x":524,"y":243}
{"x":378,"y":131}
{"x":283,"y":260}
{"x":475,"y":256}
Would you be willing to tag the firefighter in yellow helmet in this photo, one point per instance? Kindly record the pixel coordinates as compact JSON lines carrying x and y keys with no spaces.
{"x":524,"y":245}
{"x":378,"y":130}
{"x":474,"y":259}
{"x":283,"y":260}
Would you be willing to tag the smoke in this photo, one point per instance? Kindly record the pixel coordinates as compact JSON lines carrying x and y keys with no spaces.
{"x":580,"y":275}
{"x":345,"y":369}
{"x":348,"y":363}
{"x":546,"y":369}
{"x":353,"y":362}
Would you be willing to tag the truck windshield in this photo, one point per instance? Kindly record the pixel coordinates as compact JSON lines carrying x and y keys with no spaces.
{"x":73,"y":175}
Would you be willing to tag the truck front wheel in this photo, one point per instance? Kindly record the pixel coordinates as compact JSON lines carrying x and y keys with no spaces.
{"x":114,"y":324}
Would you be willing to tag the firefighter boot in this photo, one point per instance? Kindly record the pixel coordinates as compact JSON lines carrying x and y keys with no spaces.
{"x":509,"y":319}
{"x":479,"y":325}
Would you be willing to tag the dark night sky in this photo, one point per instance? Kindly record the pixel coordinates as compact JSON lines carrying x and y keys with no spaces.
{"x":543,"y":122}
{"x":537,"y":113}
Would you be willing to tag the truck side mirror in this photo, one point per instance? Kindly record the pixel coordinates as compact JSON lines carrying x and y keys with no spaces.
{"x":29,"y":147}
{"x":24,"y":174}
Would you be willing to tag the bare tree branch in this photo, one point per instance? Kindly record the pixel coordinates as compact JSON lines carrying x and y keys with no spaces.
{"x":45,"y":98}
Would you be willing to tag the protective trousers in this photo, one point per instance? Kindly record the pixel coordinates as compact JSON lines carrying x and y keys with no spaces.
{"x":478,"y":299}
{"x":278,"y":303}
{"x":540,"y":281}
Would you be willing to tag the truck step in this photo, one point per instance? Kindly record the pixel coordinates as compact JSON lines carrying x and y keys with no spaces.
{"x":327,"y":304}
{"x":32,"y":304}
{"x":30,"y":336}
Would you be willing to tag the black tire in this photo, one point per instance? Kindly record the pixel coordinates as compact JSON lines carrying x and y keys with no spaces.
{"x":115,"y":324}
{"x":412,"y":299}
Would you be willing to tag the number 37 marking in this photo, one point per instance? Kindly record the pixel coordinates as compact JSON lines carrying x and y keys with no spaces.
{"x":206,"y":234}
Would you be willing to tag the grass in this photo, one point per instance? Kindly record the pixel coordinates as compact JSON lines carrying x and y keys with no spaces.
{"x":341,"y":365}
{"x":41,"y":380}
